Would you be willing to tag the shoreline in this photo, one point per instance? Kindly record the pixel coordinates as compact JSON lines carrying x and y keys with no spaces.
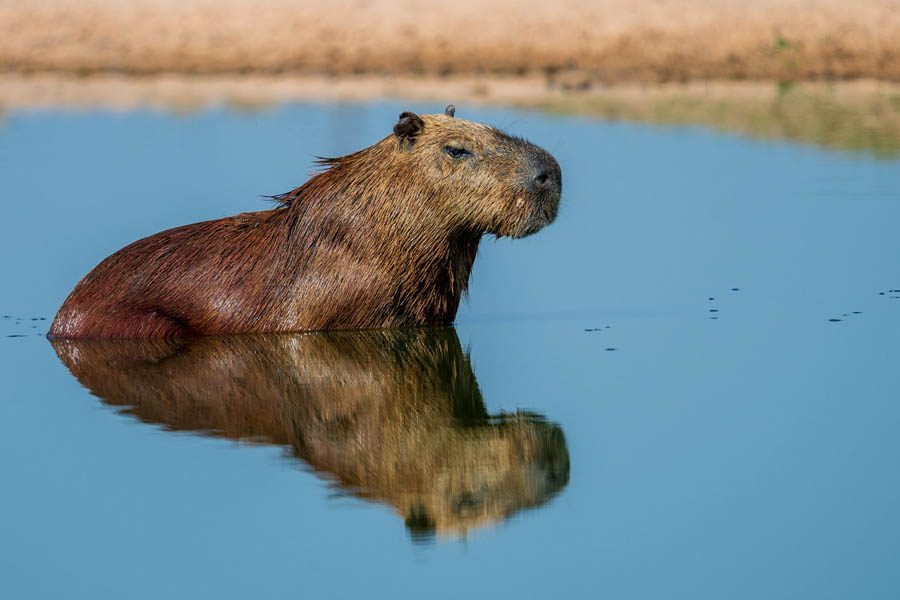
{"x":858,"y":115}
{"x":177,"y":91}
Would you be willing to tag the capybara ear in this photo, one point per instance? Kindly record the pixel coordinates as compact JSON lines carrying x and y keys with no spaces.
{"x":450,"y":111}
{"x":408,"y":127}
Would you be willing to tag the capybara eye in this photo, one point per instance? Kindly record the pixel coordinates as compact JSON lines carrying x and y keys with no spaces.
{"x":456,"y":152}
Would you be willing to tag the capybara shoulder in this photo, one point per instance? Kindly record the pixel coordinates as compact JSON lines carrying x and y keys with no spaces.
{"x":383,"y":237}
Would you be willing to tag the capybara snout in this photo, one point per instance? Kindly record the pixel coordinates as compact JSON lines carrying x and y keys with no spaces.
{"x":545,"y":188}
{"x":494,"y":183}
{"x":547,"y":177}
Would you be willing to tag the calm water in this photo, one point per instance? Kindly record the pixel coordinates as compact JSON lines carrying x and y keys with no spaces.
{"x":687,"y":387}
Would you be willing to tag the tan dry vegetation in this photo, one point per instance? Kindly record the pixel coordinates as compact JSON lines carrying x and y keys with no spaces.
{"x":571,"y":42}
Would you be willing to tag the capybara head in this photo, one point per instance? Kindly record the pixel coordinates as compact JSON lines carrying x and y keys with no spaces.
{"x":480,"y":177}
{"x":450,"y":176}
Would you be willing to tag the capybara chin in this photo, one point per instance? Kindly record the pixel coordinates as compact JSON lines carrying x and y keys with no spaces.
{"x":383,"y":237}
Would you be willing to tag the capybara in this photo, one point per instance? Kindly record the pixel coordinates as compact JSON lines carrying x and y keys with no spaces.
{"x":393,"y":416}
{"x":384,"y":237}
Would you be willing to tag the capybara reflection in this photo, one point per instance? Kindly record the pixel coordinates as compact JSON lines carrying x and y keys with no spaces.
{"x":394,"y":416}
{"x":384,"y":237}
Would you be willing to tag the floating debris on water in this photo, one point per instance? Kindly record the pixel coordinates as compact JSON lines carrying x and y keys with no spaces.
{"x":16,"y":335}
{"x":597,"y":328}
{"x":834,"y":320}
{"x":714,"y":310}
{"x":611,"y":349}
{"x":735,"y":289}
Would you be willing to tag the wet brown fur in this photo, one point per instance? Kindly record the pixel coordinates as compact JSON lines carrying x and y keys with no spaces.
{"x":394,"y":416}
{"x":384,"y":237}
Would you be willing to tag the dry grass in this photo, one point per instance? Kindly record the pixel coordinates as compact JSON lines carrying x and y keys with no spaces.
{"x":573,"y":43}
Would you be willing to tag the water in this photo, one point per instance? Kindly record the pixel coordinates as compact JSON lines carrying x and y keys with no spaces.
{"x":697,"y":359}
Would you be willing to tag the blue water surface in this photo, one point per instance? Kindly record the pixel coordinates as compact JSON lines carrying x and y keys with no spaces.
{"x":709,"y":322}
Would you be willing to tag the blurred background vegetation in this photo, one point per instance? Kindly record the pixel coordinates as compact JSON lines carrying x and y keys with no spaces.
{"x":825,"y":72}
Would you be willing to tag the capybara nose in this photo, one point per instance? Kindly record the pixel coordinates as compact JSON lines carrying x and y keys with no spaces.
{"x":546,"y":175}
{"x":546,"y":180}
{"x":541,"y":178}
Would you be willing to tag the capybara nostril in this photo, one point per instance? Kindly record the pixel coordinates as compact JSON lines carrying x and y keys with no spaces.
{"x":541,"y":179}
